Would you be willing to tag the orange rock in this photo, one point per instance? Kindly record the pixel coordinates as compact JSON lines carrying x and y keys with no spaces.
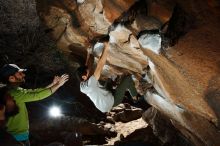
{"x":113,"y":9}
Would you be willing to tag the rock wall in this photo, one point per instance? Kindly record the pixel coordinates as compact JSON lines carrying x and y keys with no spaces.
{"x":172,"y":45}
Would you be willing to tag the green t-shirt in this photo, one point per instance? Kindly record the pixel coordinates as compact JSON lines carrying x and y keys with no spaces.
{"x":19,"y":123}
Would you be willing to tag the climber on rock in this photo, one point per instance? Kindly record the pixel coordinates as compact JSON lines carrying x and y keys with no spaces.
{"x":103,"y":99}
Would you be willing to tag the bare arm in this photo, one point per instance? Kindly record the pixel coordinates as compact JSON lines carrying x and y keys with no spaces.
{"x":102,"y":61}
{"x":35,"y":95}
{"x":62,"y":80}
{"x":89,"y":62}
{"x":55,"y":81}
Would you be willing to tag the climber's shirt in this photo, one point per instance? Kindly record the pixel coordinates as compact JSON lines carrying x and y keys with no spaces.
{"x":102,"y":98}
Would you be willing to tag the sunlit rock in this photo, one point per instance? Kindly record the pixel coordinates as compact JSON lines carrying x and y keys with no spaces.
{"x":91,"y":12}
{"x":98,"y":48}
{"x":114,"y":8}
{"x":80,"y":1}
{"x":124,"y":44}
{"x":151,"y":42}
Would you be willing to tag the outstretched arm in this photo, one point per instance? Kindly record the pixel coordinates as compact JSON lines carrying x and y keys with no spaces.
{"x":28,"y":95}
{"x":102,"y":61}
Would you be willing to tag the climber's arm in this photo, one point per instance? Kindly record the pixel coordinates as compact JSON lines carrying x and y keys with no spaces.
{"x":101,"y":61}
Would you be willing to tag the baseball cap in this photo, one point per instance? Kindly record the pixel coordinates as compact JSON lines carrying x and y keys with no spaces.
{"x":8,"y":70}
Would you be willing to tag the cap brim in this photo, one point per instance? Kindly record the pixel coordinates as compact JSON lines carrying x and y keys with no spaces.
{"x":22,"y":70}
{"x":2,"y":85}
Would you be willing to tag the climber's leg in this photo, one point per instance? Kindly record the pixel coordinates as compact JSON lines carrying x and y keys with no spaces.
{"x":126,"y":84}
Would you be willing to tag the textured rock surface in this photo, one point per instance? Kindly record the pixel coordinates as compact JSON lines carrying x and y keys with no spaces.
{"x":184,"y":76}
{"x":163,"y":128}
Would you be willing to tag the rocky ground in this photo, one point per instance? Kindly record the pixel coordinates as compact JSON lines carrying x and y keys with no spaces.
{"x":123,"y":125}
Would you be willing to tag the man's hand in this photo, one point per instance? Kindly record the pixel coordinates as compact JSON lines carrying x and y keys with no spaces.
{"x":63,"y":79}
{"x":58,"y":81}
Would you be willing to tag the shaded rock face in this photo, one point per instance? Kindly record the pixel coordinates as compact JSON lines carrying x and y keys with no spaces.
{"x":183,"y":73}
{"x":163,"y":128}
{"x":125,"y":113}
{"x":23,"y":40}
